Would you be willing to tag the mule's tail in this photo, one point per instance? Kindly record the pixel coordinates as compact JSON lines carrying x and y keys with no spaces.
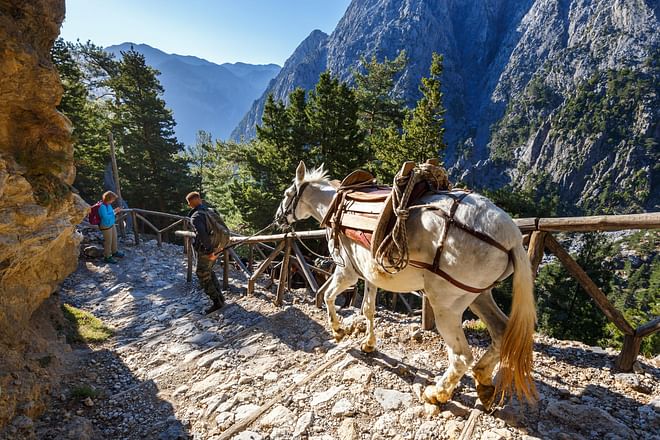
{"x":516,"y":352}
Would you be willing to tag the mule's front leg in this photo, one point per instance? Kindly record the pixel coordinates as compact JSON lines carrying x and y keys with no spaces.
{"x":337,"y":283}
{"x":368,"y":308}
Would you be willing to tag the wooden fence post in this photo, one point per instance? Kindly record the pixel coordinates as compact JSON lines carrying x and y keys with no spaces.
{"x":535,"y":250}
{"x":136,"y":233}
{"x":264,"y":264}
{"x":189,"y":255}
{"x":629,"y":352}
{"x":307,"y":273}
{"x":284,"y":273}
{"x":225,"y":270}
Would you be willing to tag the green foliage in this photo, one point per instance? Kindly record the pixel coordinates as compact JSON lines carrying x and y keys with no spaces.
{"x":153,"y":171}
{"x":566,"y":311}
{"x":83,"y":327}
{"x":334,"y":132}
{"x":82,"y":392}
{"x":198,"y":156}
{"x":76,"y":64}
{"x":539,"y":198}
{"x":521,"y":118}
{"x":423,"y":127}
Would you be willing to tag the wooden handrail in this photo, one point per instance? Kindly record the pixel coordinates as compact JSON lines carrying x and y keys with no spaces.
{"x":648,"y":220}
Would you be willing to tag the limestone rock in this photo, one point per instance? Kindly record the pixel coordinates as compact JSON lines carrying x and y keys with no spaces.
{"x":38,"y":211}
{"x":324,"y":396}
{"x":303,"y":423}
{"x":278,"y":416}
{"x":392,"y":399}
{"x":343,"y":407}
{"x":347,"y":430}
{"x":588,"y":419}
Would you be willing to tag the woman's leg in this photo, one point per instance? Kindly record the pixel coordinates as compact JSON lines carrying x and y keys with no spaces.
{"x":114,"y":239}
{"x":107,"y":242}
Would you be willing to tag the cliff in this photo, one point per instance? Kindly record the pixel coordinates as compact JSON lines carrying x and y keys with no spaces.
{"x":499,"y":55}
{"x":38,"y":211}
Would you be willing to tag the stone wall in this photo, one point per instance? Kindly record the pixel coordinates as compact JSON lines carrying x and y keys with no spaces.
{"x":38,"y":211}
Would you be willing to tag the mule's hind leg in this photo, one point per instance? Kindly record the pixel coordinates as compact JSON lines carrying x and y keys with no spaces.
{"x":341,"y":279}
{"x":486,"y":309}
{"x":448,"y":307}
{"x":368,"y":308}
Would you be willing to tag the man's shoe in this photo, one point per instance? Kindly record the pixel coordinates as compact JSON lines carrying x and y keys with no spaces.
{"x":110,"y":260}
{"x":119,"y":254}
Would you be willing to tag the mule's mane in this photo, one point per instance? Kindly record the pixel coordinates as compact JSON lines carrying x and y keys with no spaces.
{"x":316,"y":175}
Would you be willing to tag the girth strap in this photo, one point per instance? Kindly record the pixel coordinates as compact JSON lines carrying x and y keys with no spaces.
{"x":436,"y":270}
{"x":450,"y":221}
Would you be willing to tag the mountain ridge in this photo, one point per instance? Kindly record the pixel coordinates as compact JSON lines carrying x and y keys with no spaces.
{"x":204,"y":95}
{"x":493,"y":49}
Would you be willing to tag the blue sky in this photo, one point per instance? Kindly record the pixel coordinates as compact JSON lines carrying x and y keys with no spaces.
{"x":252,"y":31}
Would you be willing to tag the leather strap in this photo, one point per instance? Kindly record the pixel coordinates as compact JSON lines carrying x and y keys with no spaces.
{"x":446,"y":276}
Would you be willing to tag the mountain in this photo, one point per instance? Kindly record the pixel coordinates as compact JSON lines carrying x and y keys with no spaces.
{"x":514,"y":83}
{"x":202,"y":94}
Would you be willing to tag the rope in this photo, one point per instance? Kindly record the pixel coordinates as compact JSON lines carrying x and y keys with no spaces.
{"x":392,"y":254}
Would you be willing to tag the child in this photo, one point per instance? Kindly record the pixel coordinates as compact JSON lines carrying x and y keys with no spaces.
{"x":107,"y":227}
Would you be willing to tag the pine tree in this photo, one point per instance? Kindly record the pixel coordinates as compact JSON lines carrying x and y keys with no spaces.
{"x":88,"y":116}
{"x":154,"y":173}
{"x":198,"y":156}
{"x":381,"y":112}
{"x":336,"y":138}
{"x":423,"y":127}
{"x":379,"y":107}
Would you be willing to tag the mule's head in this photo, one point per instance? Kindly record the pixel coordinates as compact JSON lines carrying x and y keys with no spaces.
{"x":291,"y":209}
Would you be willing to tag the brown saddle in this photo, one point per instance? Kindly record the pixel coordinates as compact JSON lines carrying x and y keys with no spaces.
{"x":362,"y":210}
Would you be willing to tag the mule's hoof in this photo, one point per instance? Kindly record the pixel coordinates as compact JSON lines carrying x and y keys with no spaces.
{"x":367,"y":348}
{"x":429,"y":394}
{"x":339,"y":334}
{"x":442,"y":396}
{"x":486,"y":394}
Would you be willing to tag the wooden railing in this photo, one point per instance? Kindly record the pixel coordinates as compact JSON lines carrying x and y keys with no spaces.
{"x":537,"y":234}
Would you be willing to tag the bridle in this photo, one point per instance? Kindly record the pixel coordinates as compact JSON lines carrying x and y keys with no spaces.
{"x":292,"y":205}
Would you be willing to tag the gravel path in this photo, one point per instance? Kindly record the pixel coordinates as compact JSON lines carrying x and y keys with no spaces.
{"x":257,"y":371}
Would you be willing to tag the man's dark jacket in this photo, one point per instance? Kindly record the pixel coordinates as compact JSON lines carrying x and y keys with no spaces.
{"x":202,"y":242}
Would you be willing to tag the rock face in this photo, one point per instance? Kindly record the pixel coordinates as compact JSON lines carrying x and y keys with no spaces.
{"x":38,"y":212}
{"x":493,"y":51}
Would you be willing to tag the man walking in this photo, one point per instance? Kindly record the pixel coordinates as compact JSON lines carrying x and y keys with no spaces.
{"x":205,"y":252}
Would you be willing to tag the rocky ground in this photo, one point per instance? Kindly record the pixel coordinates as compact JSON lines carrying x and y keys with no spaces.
{"x":257,"y":371}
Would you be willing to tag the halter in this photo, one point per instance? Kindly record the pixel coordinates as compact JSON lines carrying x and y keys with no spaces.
{"x":293,"y":204}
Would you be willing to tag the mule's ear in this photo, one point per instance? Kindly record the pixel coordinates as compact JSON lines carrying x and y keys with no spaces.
{"x":300,"y":172}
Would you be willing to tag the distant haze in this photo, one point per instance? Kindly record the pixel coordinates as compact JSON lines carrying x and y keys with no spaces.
{"x":204,"y":95}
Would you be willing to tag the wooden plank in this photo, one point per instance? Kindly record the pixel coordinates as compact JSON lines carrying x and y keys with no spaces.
{"x":189,"y":234}
{"x":406,"y":304}
{"x":649,"y":220}
{"x":428,"y":318}
{"x":318,"y":233}
{"x":156,"y":213}
{"x":372,"y":208}
{"x":648,"y":328}
{"x":225,"y":270}
{"x":307,"y":272}
{"x":189,"y":258}
{"x":589,"y":286}
{"x":470,"y":425}
{"x":237,"y":259}
{"x":264,"y":264}
{"x":159,"y":239}
{"x":284,"y":273}
{"x":526,"y":225}
{"x":535,"y":250}
{"x":171,"y":226}
{"x":359,"y":222}
{"x":147,"y":222}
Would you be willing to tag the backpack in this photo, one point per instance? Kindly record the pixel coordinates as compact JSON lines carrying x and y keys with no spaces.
{"x":217,"y":229}
{"x":94,"y":217}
